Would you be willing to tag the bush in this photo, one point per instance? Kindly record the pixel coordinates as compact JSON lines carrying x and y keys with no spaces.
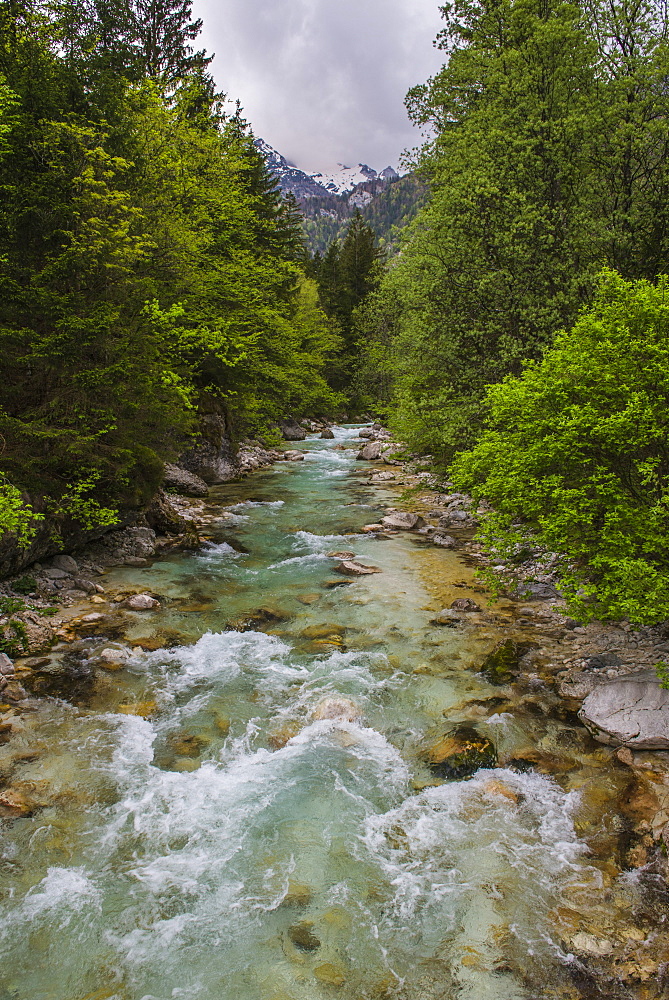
{"x":577,"y":450}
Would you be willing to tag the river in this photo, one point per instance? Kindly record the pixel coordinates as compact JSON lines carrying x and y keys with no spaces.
{"x":207,"y":836}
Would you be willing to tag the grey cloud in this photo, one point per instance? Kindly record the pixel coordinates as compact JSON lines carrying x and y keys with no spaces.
{"x":321,"y":81}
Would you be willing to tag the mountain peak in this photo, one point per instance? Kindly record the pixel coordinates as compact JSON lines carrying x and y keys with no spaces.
{"x":341,"y":180}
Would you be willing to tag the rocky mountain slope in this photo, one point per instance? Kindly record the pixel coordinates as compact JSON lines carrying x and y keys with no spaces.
{"x":328,"y":200}
{"x":341,"y":180}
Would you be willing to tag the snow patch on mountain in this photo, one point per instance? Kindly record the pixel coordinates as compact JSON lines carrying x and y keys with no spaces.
{"x":341,"y":180}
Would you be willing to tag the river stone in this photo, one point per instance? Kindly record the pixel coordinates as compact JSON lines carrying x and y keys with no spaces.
{"x":464,"y":604}
{"x":460,"y":753}
{"x":142,"y":602}
{"x":187,"y":483}
{"x":331,"y":975}
{"x":446,"y":541}
{"x":303,"y":936}
{"x":292,"y":431}
{"x":327,"y":434}
{"x":447,"y":617}
{"x":87,"y":586}
{"x":341,"y":709}
{"x":350,"y":568}
{"x":293,"y":456}
{"x":65,"y":562}
{"x":402,"y":521}
{"x":629,"y":711}
{"x":53,"y":573}
{"x":6,"y":665}
{"x":340,"y":555}
{"x":371,"y":452}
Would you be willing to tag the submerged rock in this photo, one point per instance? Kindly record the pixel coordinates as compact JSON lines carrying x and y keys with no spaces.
{"x":500,"y":666}
{"x":331,"y":975}
{"x":460,"y":753}
{"x":323,"y":631}
{"x":303,"y":936}
{"x":629,"y":711}
{"x":447,"y":617}
{"x":187,"y":744}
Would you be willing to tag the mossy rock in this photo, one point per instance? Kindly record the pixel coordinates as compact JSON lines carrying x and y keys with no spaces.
{"x":460,"y":753}
{"x":501,"y":665}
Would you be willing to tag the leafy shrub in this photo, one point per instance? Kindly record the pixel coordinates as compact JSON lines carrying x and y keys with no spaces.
{"x":577,"y":450}
{"x":25,"y":585}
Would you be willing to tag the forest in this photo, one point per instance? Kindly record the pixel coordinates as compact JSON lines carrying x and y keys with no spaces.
{"x":520,"y":336}
{"x":515,"y":332}
{"x":148,"y":261}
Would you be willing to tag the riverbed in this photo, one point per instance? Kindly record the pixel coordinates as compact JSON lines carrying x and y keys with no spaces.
{"x":208,"y":832}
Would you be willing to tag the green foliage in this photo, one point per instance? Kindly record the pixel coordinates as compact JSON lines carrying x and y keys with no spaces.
{"x":346,"y":274}
{"x":662,"y":670}
{"x":577,"y":450}
{"x":10,"y":606}
{"x":393,"y":204}
{"x":549,"y":159}
{"x":25,"y":585}
{"x":149,"y":263}
{"x":16,"y":517}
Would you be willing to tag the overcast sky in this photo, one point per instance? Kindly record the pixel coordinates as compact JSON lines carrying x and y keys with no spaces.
{"x":323,"y":81}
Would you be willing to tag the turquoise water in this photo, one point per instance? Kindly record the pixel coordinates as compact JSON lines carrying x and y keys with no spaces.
{"x":207,"y":834}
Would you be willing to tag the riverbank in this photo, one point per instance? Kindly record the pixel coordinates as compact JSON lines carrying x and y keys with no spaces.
{"x":390,"y":644}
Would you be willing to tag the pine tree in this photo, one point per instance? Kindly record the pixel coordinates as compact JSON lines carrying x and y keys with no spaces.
{"x":163,"y":29}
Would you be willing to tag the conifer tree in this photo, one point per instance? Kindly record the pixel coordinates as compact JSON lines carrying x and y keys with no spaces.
{"x":164,"y":29}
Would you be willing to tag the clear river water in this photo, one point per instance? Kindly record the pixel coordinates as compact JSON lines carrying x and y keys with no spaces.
{"x":208,"y":837}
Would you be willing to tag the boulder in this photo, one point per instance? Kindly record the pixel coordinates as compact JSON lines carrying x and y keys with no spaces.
{"x":350,"y":568}
{"x":371,"y":452}
{"x":327,"y":434}
{"x":212,"y":454}
{"x":460,"y":753}
{"x":142,"y":602}
{"x":65,"y":562}
{"x":6,"y":666}
{"x":446,"y":541}
{"x":402,"y":521}
{"x":453,"y":519}
{"x":293,"y":456}
{"x":183,"y":481}
{"x":54,"y":573}
{"x":366,"y":432}
{"x":629,"y":711}
{"x":292,"y":431}
{"x":87,"y":586}
{"x":164,"y":517}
